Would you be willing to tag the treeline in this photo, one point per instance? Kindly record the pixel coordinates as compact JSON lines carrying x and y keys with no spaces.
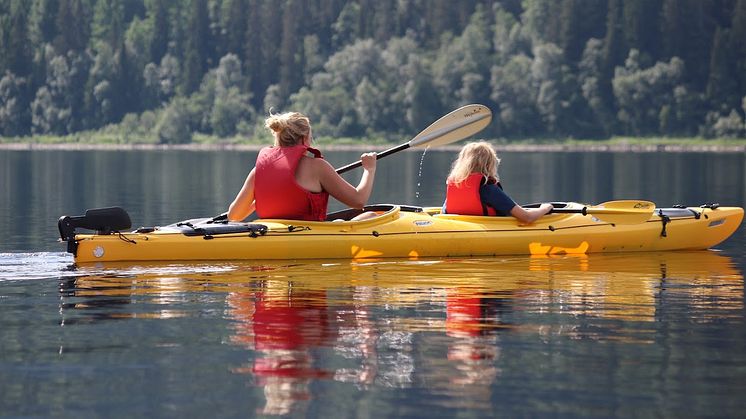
{"x":161,"y":70}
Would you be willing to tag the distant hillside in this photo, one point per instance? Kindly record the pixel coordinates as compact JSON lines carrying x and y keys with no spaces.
{"x":162,"y":70}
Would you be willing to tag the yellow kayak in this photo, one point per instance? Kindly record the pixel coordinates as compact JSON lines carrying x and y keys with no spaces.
{"x":403,"y":232}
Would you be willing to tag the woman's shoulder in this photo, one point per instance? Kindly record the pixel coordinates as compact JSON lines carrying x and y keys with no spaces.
{"x":317,"y":164}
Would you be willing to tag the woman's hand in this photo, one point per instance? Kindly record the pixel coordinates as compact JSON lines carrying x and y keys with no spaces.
{"x":368,"y":161}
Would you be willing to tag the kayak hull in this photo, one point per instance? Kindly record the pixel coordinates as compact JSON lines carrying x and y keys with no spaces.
{"x":401,"y":232}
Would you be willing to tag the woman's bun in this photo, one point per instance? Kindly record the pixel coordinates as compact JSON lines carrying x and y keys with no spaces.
{"x":289,"y":128}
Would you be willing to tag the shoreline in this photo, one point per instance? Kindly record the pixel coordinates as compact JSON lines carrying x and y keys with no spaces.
{"x":556,"y":148}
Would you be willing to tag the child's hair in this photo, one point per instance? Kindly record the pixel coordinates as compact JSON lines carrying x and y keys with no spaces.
{"x":476,"y":157}
{"x":289,"y":128}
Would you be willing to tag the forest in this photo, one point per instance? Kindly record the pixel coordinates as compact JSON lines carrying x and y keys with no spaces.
{"x":161,"y":71}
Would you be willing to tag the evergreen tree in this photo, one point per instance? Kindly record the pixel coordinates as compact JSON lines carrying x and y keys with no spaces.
{"x":722,"y":83}
{"x":291,"y":47}
{"x":42,"y":27}
{"x":641,"y":22}
{"x":688,"y":35}
{"x":579,"y":21}
{"x":234,"y":24}
{"x":160,"y":22}
{"x":613,"y":53}
{"x":600,"y":119}
{"x":270,"y":34}
{"x":108,"y":23}
{"x":346,"y":25}
{"x":254,"y":51}
{"x":196,"y":45}
{"x":737,"y":36}
{"x":72,"y":26}
{"x":15,"y":47}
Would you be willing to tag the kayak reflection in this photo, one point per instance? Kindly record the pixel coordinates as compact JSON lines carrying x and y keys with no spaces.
{"x":440,"y":325}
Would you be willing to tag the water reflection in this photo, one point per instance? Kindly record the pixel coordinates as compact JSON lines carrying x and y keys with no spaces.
{"x":283,"y":326}
{"x":443,"y":326}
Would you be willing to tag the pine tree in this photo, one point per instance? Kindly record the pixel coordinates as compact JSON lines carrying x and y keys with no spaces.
{"x":196,"y":46}
{"x":641,"y":22}
{"x":722,"y":83}
{"x":16,"y":46}
{"x":738,"y":35}
{"x":72,"y":26}
{"x":270,"y":33}
{"x":291,"y":47}
{"x":253,"y":51}
{"x":233,"y":22}
{"x":42,"y":22}
{"x":108,"y":23}
{"x":158,"y":15}
{"x":613,"y":54}
{"x":687,"y":34}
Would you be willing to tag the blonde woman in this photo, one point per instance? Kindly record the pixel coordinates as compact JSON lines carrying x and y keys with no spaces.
{"x":289,"y":183}
{"x":473,"y":187}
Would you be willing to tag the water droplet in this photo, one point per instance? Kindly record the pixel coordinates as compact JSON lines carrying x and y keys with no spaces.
{"x":419,"y":176}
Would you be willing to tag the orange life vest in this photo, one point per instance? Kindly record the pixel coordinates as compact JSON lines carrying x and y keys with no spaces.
{"x":464,"y":198}
{"x":276,"y":191}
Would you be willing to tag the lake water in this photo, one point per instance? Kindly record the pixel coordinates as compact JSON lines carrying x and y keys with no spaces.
{"x":660,"y":334}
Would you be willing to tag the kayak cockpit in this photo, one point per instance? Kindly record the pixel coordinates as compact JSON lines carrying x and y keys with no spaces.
{"x":381,"y":209}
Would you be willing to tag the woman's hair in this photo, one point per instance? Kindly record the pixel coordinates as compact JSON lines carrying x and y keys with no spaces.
{"x":476,"y":157}
{"x":289,"y":128}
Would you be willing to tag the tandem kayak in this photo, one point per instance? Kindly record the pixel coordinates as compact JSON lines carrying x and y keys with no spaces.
{"x":399,"y":231}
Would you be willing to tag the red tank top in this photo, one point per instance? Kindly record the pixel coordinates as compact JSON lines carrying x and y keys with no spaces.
{"x":464,"y":198}
{"x":276,"y":191}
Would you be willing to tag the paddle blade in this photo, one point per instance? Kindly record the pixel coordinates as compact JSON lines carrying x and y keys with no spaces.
{"x":627,"y":211}
{"x":455,"y":126}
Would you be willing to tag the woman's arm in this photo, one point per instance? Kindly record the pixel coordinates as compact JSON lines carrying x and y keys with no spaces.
{"x":529,"y":215}
{"x":243,"y":205}
{"x":336,"y":186}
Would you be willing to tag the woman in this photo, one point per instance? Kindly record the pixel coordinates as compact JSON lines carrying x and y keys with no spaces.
{"x":473,"y":187}
{"x":288,"y":183}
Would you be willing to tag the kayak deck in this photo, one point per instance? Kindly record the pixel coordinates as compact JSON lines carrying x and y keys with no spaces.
{"x":409,"y":232}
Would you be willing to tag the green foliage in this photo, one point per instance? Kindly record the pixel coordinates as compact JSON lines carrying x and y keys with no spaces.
{"x":174,"y":124}
{"x":13,"y":111}
{"x":165,"y":70}
{"x":642,"y":94}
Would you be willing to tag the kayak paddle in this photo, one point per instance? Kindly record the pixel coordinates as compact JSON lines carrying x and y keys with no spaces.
{"x":455,"y":126}
{"x":615,"y":212}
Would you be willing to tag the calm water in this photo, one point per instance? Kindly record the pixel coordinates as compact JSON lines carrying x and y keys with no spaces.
{"x":659,"y":334}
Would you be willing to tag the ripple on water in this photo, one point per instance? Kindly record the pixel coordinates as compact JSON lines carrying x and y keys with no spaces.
{"x":42,"y":265}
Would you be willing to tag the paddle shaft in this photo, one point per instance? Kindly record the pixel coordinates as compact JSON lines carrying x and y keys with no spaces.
{"x":583,"y":211}
{"x":425,"y":138}
{"x":380,"y":155}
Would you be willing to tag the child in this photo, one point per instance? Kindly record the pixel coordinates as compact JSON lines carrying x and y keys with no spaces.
{"x":473,"y":187}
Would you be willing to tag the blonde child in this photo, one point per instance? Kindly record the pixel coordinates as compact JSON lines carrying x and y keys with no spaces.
{"x":473,"y":187}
